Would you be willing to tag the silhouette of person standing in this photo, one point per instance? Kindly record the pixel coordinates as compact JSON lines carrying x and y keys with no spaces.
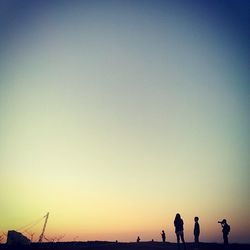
{"x":225,"y":230}
{"x":196,"y":230}
{"x":138,"y":239}
{"x":178,"y":223}
{"x":163,"y":236}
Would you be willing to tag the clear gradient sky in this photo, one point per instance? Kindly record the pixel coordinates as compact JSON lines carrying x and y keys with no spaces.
{"x":116,"y":115}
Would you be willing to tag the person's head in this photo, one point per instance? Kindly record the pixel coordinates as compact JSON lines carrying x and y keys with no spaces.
{"x":163,"y":231}
{"x":177,"y":216}
{"x":196,"y":219}
{"x":224,"y":221}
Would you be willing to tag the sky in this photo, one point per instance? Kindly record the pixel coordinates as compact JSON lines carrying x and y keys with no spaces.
{"x":116,"y":115}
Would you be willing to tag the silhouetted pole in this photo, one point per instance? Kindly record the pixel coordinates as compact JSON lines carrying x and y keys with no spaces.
{"x":44,"y":227}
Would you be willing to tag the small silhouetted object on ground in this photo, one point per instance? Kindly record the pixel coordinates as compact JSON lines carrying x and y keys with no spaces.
{"x":138,"y":239}
{"x":163,"y":236}
{"x":178,"y":223}
{"x":225,"y":230}
{"x":196,"y":230}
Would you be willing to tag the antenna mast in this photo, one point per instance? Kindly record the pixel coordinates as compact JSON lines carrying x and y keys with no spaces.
{"x":44,"y":227}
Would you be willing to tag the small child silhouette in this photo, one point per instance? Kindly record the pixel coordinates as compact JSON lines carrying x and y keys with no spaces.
{"x":163,"y":236}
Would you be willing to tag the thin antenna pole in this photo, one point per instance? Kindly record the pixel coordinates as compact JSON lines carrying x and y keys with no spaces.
{"x":44,"y":227}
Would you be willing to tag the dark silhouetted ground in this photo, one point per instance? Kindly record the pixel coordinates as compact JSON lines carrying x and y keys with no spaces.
{"x":99,"y":245}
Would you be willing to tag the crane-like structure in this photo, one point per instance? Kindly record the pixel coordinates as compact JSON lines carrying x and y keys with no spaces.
{"x":44,"y":227}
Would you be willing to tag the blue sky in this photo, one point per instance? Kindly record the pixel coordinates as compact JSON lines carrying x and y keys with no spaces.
{"x":140,"y":108}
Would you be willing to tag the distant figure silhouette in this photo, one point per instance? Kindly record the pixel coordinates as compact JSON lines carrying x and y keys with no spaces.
{"x":163,"y":236}
{"x":196,"y":230}
{"x":178,"y":223}
{"x":225,"y":230}
{"x":138,"y":239}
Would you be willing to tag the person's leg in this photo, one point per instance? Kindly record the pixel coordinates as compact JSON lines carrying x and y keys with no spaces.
{"x":182,"y":238}
{"x":178,"y":240}
{"x":183,"y":241}
{"x":225,"y":239}
{"x":196,"y":239}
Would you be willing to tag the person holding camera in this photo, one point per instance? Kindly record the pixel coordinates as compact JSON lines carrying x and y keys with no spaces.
{"x":225,"y":230}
